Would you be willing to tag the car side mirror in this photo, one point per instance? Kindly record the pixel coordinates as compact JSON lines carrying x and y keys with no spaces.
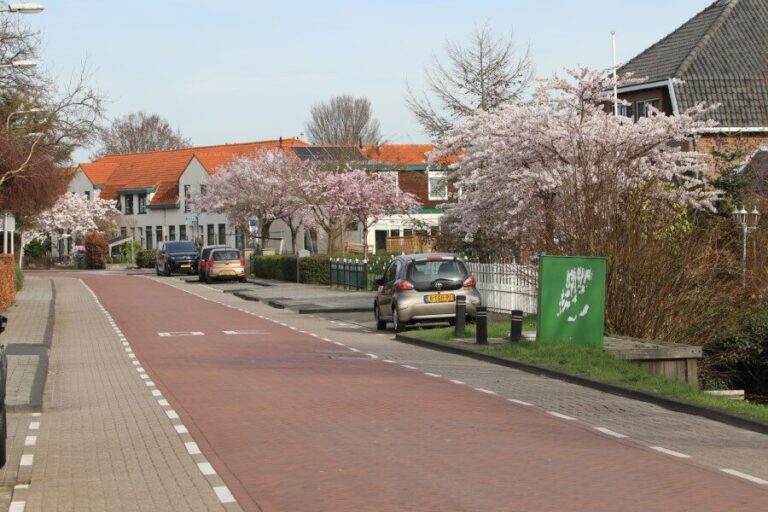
{"x":379,"y":281}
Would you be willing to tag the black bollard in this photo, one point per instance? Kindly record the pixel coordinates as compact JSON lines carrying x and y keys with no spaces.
{"x":481,"y":325}
{"x":516,"y":326}
{"x":461,"y":316}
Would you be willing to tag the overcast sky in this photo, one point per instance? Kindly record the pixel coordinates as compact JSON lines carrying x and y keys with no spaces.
{"x":240,"y":70}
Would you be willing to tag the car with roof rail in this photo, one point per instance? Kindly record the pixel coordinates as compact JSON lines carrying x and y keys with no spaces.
{"x":176,"y":257}
{"x":422,"y":288}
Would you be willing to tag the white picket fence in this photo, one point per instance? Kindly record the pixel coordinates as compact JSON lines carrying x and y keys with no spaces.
{"x":505,"y":287}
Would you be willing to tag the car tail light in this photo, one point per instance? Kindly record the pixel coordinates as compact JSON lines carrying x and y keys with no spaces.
{"x":242,"y":262}
{"x":471,"y":282}
{"x":404,"y":285}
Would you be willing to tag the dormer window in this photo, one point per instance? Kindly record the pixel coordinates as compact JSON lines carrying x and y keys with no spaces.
{"x":142,"y":203}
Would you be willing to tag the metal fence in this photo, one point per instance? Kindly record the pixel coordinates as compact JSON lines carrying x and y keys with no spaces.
{"x":349,"y":274}
{"x":505,"y":287}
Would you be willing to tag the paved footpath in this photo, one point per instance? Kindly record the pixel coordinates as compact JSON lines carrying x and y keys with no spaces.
{"x":297,"y":413}
{"x":104,"y":441}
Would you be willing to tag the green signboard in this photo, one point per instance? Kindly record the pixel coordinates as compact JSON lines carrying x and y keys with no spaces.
{"x":571,"y":300}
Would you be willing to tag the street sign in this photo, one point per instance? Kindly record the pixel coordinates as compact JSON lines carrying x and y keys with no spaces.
{"x":571,"y":300}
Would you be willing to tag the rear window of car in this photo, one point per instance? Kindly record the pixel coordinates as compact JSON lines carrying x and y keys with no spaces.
{"x":429,"y":271}
{"x":226,"y":255}
{"x":180,"y":247}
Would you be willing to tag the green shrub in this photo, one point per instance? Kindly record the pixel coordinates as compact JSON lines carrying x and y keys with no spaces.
{"x":96,"y":250}
{"x":280,"y":268}
{"x":145,"y":258}
{"x":37,"y":249}
{"x":316,"y":270}
{"x":740,"y":359}
{"x":19,"y":278}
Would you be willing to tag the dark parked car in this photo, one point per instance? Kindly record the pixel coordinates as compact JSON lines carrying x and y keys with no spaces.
{"x":176,"y":257}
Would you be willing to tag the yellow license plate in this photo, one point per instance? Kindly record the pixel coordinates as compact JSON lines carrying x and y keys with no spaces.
{"x":445,"y":297}
{"x":227,"y":273}
{"x":185,"y":265}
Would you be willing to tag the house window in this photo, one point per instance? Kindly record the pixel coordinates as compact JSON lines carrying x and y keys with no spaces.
{"x":625,"y":111}
{"x":88,"y":195}
{"x":222,"y":234}
{"x":211,"y":234}
{"x":643,"y":108}
{"x":203,"y":190}
{"x":438,"y":185}
{"x":172,"y":233}
{"x":159,"y":231}
{"x":118,"y":204}
{"x":182,"y":232}
{"x":129,"y":204}
{"x":123,"y":232}
{"x":187,"y":198}
{"x":142,"y":203}
{"x":148,"y":241}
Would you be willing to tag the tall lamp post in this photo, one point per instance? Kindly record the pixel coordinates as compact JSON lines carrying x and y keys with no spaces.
{"x":25,"y":8}
{"x":745,"y":223}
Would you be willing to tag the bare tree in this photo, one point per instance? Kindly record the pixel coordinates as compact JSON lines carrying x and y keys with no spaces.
{"x":42,"y":121}
{"x":343,"y":120}
{"x":138,"y":132}
{"x":483,"y":75}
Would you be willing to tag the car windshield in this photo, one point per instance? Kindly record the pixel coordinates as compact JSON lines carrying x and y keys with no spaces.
{"x":226,"y":255}
{"x":430,"y":271}
{"x":180,"y":247}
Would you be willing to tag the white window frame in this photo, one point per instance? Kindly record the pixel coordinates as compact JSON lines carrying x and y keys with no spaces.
{"x":430,"y":193}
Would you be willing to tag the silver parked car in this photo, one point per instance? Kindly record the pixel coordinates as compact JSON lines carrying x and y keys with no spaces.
{"x":421,"y":288}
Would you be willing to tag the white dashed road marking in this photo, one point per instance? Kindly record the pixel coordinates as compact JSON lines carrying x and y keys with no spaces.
{"x":519,"y":402}
{"x":460,"y":383}
{"x":172,"y":334}
{"x":27,"y":459}
{"x":745,"y":476}
{"x":206,"y":468}
{"x":609,"y":432}
{"x":223,"y":493}
{"x":670,"y":452}
{"x":192,"y":448}
{"x":486,"y":391}
{"x":561,"y":416}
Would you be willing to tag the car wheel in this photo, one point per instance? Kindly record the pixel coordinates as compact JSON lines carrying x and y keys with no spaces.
{"x":380,"y":324}
{"x":396,"y":319}
{"x":3,"y":437}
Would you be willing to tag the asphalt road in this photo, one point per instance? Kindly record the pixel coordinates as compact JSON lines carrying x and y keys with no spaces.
{"x":293,"y":422}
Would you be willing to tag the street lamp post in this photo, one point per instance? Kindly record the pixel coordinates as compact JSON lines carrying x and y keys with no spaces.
{"x":25,"y":8}
{"x":745,"y":223}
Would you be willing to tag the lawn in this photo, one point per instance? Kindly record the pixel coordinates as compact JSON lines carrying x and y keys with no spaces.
{"x":594,"y":363}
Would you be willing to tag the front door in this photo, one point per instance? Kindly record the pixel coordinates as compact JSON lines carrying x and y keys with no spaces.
{"x":381,"y":241}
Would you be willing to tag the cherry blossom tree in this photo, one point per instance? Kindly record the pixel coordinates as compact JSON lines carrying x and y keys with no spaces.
{"x":73,"y":215}
{"x":558,"y":170}
{"x":356,"y":195}
{"x":558,"y":173}
{"x":261,"y":187}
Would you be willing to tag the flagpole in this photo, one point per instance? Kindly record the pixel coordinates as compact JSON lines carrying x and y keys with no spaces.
{"x":615,"y":83}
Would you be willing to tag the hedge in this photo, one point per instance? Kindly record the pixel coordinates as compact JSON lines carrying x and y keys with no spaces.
{"x":145,"y":259}
{"x":96,"y":250}
{"x":314,"y":269}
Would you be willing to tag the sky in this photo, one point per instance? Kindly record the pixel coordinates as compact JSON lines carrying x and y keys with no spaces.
{"x":225,"y":71}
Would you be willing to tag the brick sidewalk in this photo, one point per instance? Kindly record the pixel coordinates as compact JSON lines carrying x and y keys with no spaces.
{"x":103,"y":442}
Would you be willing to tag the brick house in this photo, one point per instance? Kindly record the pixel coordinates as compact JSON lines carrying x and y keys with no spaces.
{"x":717,"y":57}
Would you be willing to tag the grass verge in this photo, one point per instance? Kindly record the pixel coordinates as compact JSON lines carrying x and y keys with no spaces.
{"x":594,"y":363}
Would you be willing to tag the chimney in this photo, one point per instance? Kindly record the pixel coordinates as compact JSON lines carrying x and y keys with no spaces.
{"x":280,"y":142}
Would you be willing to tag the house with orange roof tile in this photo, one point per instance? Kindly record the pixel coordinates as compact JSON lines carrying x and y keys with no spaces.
{"x":152,"y":190}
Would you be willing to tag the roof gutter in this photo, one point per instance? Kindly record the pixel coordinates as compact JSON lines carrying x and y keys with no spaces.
{"x":734,"y":129}
{"x":642,"y":87}
{"x":672,"y":95}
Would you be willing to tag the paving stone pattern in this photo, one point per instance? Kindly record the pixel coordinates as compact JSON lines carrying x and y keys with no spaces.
{"x":104,"y":443}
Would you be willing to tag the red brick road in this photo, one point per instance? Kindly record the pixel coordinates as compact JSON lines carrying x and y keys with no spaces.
{"x":292,"y":423}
